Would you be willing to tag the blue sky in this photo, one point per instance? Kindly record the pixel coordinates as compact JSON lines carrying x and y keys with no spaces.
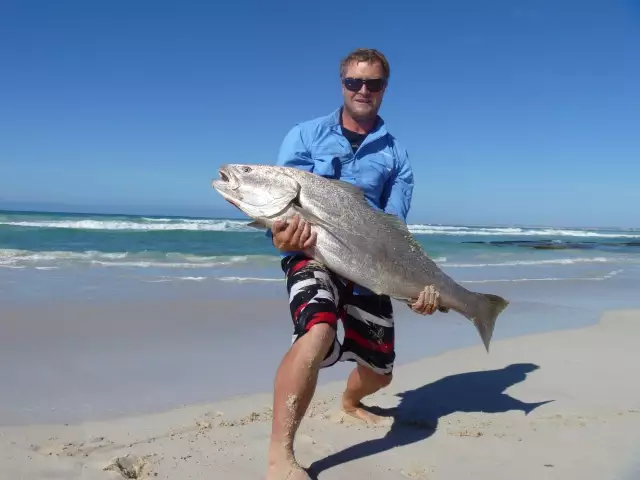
{"x":513,"y":112}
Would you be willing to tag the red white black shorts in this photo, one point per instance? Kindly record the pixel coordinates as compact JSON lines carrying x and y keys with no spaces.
{"x":317,"y":295}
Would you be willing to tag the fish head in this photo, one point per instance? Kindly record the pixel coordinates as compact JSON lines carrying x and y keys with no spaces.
{"x":260,"y":191}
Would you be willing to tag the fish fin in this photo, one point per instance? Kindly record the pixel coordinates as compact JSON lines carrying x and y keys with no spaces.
{"x":358,"y":193}
{"x":256,"y":224}
{"x":485,"y":321}
{"x":394,"y":220}
{"x":312,"y":220}
{"x":349,"y":188}
{"x":309,"y":203}
{"x":357,"y":198}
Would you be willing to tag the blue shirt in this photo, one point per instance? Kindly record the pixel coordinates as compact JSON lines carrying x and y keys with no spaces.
{"x":380,"y":166}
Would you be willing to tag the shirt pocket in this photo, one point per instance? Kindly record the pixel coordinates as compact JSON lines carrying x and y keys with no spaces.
{"x":329,"y":162}
{"x":375,"y":170}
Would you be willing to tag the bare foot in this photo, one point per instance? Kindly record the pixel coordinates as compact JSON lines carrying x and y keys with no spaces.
{"x":361,"y":413}
{"x":287,"y":471}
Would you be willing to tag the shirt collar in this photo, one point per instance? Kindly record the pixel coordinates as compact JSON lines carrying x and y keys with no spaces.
{"x":379,"y":130}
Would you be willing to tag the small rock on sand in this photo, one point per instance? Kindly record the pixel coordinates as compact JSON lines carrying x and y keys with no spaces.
{"x":129,"y":466}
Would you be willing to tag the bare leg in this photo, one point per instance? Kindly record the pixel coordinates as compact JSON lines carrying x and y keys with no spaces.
{"x":295,"y":385}
{"x":362,"y":382}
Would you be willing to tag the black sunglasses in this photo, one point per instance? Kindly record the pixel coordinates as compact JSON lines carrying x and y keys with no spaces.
{"x":373,"y":84}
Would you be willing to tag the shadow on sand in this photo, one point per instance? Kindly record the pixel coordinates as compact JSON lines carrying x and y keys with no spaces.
{"x":416,"y":416}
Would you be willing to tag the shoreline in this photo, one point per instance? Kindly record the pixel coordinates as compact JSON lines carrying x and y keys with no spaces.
{"x":70,"y":362}
{"x":529,"y":409}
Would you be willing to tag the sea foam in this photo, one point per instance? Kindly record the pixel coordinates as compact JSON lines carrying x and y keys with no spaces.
{"x":225,"y":225}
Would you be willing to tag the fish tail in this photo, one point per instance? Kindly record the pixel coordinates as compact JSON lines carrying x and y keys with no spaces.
{"x":489,"y":306}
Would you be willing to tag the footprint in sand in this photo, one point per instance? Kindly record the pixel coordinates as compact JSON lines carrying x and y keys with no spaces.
{"x":341,"y":417}
{"x":75,"y":449}
{"x":304,"y":438}
{"x":102,"y":444}
{"x":289,"y":473}
{"x":311,"y":444}
{"x":418,"y":473}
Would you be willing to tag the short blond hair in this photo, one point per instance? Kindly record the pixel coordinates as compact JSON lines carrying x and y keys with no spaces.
{"x":367,"y":55}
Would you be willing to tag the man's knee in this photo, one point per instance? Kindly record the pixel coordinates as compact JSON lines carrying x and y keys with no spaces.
{"x":322,"y":334}
{"x":384,"y":380}
{"x":380,"y":380}
{"x":317,"y":341}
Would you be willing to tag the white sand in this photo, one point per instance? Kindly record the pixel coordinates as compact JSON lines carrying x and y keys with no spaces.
{"x":497,"y":416}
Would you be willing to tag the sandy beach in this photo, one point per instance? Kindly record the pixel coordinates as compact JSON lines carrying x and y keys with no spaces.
{"x":554,"y":405}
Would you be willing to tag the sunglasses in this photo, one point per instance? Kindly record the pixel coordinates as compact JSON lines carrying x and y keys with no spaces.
{"x":355,"y":84}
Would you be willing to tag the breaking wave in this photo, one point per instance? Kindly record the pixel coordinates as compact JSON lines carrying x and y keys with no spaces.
{"x":49,"y":260}
{"x":12,"y":258}
{"x":145,"y":224}
{"x":607,"y":276}
{"x":519,"y":231}
{"x":555,"y":261}
{"x":227,"y":225}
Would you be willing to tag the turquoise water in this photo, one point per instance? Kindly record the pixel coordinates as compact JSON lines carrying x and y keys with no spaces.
{"x":37,"y":246}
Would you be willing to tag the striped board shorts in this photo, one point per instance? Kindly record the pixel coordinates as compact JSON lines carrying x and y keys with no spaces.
{"x":317,"y":295}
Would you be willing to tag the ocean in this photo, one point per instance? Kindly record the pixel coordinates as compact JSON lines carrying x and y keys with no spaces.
{"x":48,"y":255}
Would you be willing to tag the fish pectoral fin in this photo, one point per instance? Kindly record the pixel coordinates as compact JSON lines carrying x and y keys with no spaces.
{"x":256,"y":224}
{"x":345,"y":245}
{"x":310,"y":217}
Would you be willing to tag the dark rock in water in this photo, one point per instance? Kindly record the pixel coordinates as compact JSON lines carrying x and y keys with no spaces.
{"x":506,"y":243}
{"x":546,"y":244}
{"x":564,"y":246}
{"x":537,"y":244}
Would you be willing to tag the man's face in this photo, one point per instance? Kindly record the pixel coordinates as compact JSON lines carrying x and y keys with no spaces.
{"x":364,"y":103}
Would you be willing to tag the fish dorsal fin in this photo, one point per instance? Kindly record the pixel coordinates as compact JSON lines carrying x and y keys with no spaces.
{"x":350,"y":188}
{"x":357,"y":192}
{"x":314,"y":204}
{"x":357,"y":195}
{"x":394,"y":221}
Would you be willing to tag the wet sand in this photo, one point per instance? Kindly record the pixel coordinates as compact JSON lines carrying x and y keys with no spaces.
{"x":150,"y":348}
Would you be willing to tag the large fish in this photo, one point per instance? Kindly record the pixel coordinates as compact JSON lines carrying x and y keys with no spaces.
{"x":371,"y":248}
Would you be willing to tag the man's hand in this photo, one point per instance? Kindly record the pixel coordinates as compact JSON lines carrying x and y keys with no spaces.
{"x":294,"y":236}
{"x":428,"y":302}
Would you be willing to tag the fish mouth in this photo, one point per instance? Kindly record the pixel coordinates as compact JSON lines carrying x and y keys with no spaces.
{"x":227,"y":179}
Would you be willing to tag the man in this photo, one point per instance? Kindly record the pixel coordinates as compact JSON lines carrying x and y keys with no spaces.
{"x":351,"y":144}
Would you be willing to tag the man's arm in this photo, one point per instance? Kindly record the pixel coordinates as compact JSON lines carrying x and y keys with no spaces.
{"x":399,"y":189}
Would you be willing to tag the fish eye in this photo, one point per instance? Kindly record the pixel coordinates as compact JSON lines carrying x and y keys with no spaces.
{"x":246,"y":169}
